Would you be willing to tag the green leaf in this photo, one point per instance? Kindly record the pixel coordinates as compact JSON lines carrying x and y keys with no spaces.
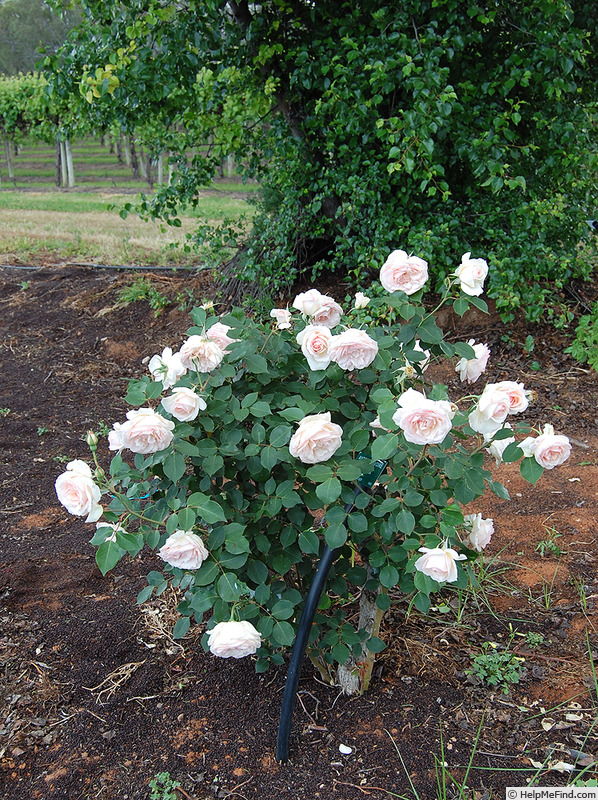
{"x":108,"y":555}
{"x":319,"y":473}
{"x":389,"y":576}
{"x":336,"y":536}
{"x":187,"y":517}
{"x":174,"y":466}
{"x":181,"y":627}
{"x":283,"y":633}
{"x":329,"y":491}
{"x":145,"y":594}
{"x":280,"y":435}
{"x":207,"y":573}
{"x":283,"y":609}
{"x":512,"y":453}
{"x":383,"y":601}
{"x":229,"y":587}
{"x":375,"y":645}
{"x":309,"y":542}
{"x":384,"y":447}
{"x":530,"y":470}
{"x":209,"y":510}
{"x":256,"y":363}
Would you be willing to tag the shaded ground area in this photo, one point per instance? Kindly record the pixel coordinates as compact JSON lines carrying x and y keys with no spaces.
{"x":97,"y":698}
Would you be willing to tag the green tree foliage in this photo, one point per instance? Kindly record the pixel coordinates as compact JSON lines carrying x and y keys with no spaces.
{"x":29,"y":28}
{"x":371,"y":126}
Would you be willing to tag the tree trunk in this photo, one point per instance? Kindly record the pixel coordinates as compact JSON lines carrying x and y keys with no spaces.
{"x":134,"y":160}
{"x":118,"y":149}
{"x":355,"y":674}
{"x":160,"y":169}
{"x":58,"y":164}
{"x":230,"y":166}
{"x":70,"y":172}
{"x":9,"y":164}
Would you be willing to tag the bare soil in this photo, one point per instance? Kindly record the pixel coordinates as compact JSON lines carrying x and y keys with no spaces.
{"x":96,"y":697}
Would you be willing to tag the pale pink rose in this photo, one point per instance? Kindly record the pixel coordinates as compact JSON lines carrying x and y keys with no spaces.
{"x":201,"y":354}
{"x":315,"y":343}
{"x":470,"y":369}
{"x":308,"y":302}
{"x":115,"y":527}
{"x":114,"y":440}
{"x":471,"y":274}
{"x":328,"y":313}
{"x":282,"y":317}
{"x":234,"y":639}
{"x":219,"y":333}
{"x":404,"y":273}
{"x":518,"y":397}
{"x":439,"y":563}
{"x":423,"y":421}
{"x":528,"y":445}
{"x":353,"y":349}
{"x":316,"y":439}
{"x":480,"y":531}
{"x":166,"y":368}
{"x":551,"y":449}
{"x":184,"y":549}
{"x":497,"y":448}
{"x":144,"y":432}
{"x":361,"y":300}
{"x":184,"y":404}
{"x":491,"y":410}
{"x":78,"y":493}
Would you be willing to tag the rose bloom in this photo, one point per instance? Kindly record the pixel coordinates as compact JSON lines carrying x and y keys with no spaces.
{"x":361,"y":300}
{"x":316,"y":439}
{"x":480,"y":531}
{"x":282,"y":317}
{"x":550,"y":449}
{"x":403,"y":273}
{"x":78,"y":493}
{"x":219,"y":333}
{"x":518,"y":399}
{"x":308,"y":302}
{"x":234,"y":639}
{"x":471,"y":274}
{"x":470,"y":369}
{"x":491,"y":410}
{"x":315,"y":342}
{"x":439,"y":563}
{"x":328,"y":313}
{"x":144,"y":432}
{"x":166,"y":368}
{"x":353,"y":349}
{"x":201,"y":354}
{"x":184,"y":549}
{"x":184,"y":404}
{"x":498,"y":447}
{"x":423,"y":421}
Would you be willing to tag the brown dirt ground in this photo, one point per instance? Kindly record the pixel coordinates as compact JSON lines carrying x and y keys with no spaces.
{"x":96,"y":698}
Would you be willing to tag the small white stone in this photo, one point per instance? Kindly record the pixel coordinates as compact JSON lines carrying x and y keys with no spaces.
{"x":345,"y":750}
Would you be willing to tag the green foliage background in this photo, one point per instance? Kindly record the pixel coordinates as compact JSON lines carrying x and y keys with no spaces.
{"x":429,"y":126}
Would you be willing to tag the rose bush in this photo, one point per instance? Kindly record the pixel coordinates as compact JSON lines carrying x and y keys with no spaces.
{"x":259,"y":443}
